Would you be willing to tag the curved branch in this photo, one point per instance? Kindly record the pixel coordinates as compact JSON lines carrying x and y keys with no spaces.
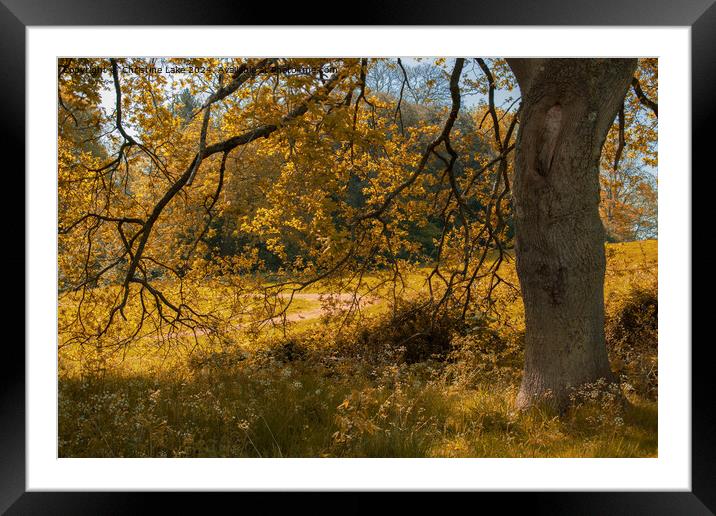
{"x":118,"y":108}
{"x":443,"y":137}
{"x":643,"y":98}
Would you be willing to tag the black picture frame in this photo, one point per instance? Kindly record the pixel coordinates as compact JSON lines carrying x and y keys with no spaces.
{"x":16,"y":15}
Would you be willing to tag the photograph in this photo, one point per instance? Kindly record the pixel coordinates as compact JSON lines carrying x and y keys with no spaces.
{"x":344,"y":257}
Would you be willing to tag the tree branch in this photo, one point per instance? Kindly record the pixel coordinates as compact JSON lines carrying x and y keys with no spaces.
{"x":643,"y":98}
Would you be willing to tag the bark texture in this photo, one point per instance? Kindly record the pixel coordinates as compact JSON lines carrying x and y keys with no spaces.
{"x":567,"y":108}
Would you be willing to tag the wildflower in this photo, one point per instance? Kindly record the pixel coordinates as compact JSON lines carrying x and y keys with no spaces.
{"x":154,"y":395}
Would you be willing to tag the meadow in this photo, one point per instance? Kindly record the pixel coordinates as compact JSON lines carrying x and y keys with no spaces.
{"x":386,"y":384}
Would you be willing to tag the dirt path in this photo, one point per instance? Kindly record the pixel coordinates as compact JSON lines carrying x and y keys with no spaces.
{"x":336,"y":300}
{"x":328,"y":302}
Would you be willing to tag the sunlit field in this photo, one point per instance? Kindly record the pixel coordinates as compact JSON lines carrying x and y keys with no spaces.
{"x":384,"y":384}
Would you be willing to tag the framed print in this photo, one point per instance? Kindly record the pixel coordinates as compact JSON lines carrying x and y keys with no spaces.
{"x":415,"y":250}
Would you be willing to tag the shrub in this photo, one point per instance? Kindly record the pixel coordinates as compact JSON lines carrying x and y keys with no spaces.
{"x":413,"y":332}
{"x":632,"y":339}
{"x":285,"y":351}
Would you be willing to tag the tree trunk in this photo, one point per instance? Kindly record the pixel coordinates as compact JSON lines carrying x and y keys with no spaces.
{"x":567,"y":108}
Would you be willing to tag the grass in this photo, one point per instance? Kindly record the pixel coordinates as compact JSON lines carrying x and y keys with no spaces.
{"x":311,"y":392}
{"x":305,"y":414}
